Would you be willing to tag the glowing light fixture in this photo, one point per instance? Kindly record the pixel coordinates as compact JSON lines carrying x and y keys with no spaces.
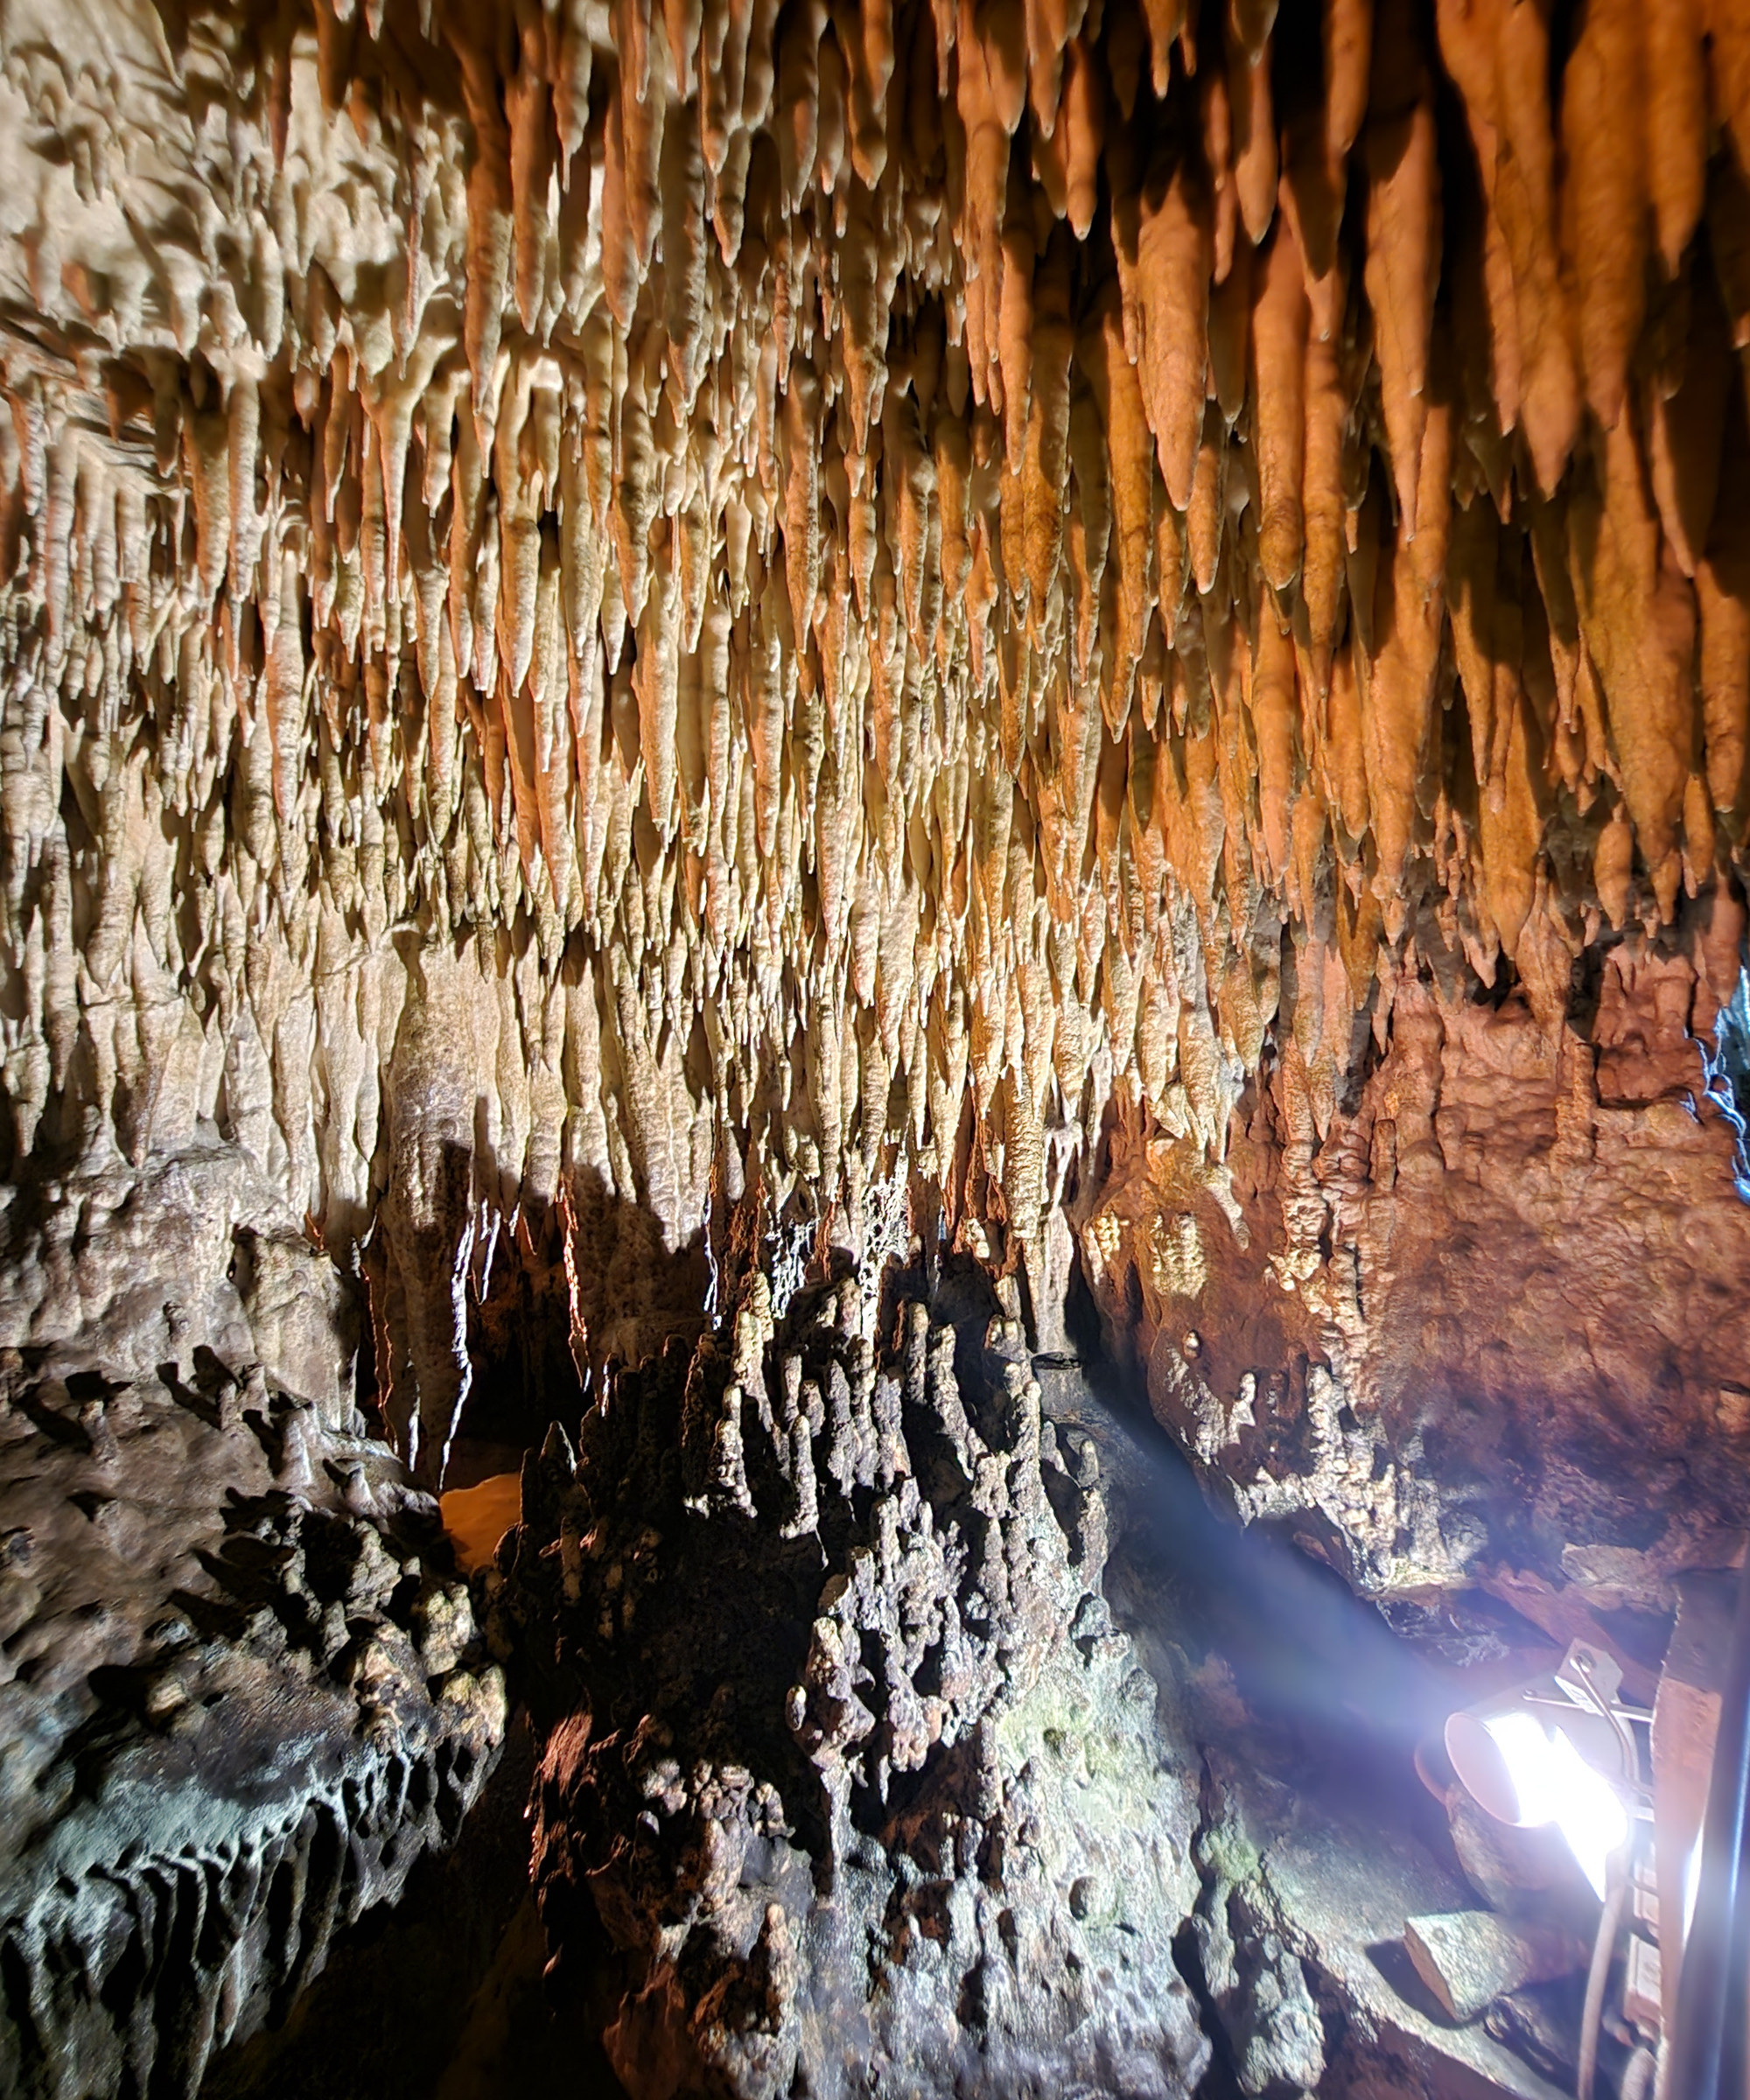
{"x":1560,"y":1750}
{"x":1557,"y":1752}
{"x":1547,"y":1780}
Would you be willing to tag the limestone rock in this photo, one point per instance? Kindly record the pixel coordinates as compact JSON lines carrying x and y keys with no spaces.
{"x":841,"y":1744}
{"x":647,"y":646}
{"x":240,"y":1691}
{"x":1469,"y":1959}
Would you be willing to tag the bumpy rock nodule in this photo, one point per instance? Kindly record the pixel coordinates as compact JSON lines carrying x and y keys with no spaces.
{"x":842,"y":1747}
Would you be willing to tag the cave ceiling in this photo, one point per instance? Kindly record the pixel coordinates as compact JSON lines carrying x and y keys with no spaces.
{"x":605,"y":608}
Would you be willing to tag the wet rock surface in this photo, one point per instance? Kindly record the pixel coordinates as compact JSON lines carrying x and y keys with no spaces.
{"x":843,"y":1752}
{"x":1300,"y":1937}
{"x":241,"y":1690}
{"x":609,"y":609}
{"x":902,"y":1718}
{"x":1467,"y":1314}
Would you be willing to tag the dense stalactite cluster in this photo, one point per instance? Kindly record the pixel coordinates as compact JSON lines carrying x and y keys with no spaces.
{"x":597,"y":595}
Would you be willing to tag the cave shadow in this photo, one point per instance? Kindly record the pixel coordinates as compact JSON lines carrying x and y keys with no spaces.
{"x":440,"y":1996}
{"x":1391,"y":1958}
{"x":541,"y":1334}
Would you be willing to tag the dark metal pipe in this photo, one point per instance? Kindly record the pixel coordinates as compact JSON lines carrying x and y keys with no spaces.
{"x":1708,"y":2047}
{"x":1603,"y":1950}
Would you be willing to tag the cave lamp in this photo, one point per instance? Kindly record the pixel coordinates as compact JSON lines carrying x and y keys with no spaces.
{"x":1557,"y":1750}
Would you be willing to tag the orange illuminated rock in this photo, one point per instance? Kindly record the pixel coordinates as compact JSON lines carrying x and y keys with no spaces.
{"x":615,"y":610}
{"x":477,"y":1517}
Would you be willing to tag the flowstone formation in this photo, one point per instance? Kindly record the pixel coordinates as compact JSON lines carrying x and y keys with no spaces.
{"x":842,"y":1749}
{"x":1476,"y":1317}
{"x":241,"y":1690}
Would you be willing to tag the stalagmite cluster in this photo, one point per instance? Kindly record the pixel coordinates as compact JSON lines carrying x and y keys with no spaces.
{"x":604,"y":603}
{"x":840,"y":1746}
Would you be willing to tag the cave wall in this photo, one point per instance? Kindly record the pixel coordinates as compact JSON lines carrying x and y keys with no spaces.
{"x":847,"y":1772}
{"x":1475,"y":1313}
{"x":241,"y":1690}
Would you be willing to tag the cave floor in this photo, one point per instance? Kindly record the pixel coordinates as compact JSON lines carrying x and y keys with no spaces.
{"x":1305,"y":1706}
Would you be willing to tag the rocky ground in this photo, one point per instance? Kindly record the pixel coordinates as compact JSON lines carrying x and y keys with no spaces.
{"x":240,"y":1688}
{"x":895,"y":1713}
{"x":1315,"y":1841}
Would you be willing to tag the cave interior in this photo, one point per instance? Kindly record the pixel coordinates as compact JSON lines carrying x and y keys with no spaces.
{"x":874,"y":1046}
